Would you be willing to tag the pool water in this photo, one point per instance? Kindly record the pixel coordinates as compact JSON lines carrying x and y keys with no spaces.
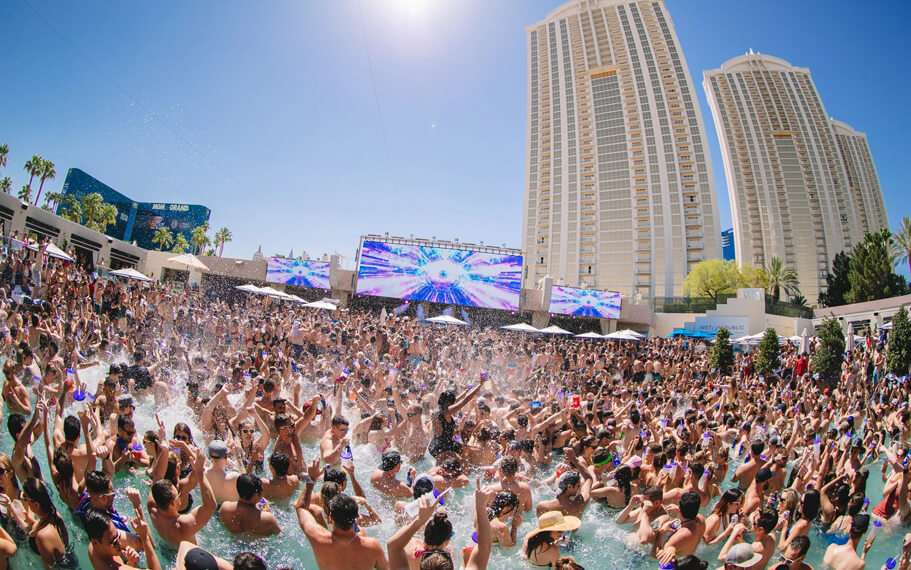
{"x":599,"y":543}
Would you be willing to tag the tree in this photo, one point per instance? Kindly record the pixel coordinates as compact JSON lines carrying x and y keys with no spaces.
{"x":198,"y":237}
{"x":722,"y":354}
{"x":97,"y":213}
{"x":52,"y":199}
{"x":164,"y":238}
{"x":837,"y":284}
{"x":799,"y":300}
{"x":870,"y":272}
{"x":70,"y":208}
{"x":25,"y":194}
{"x":769,"y":357}
{"x":780,"y":277}
{"x":898,"y":359}
{"x":712,"y":278}
{"x":830,"y":354}
{"x":45,"y":172}
{"x":902,"y":240}
{"x":222,"y":236}
{"x":4,"y":153}
{"x":33,"y":167}
{"x":180,"y":244}
{"x":754,"y":277}
{"x":6,"y":185}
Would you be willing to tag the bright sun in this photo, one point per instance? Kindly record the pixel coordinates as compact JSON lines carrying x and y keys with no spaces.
{"x":411,"y":9}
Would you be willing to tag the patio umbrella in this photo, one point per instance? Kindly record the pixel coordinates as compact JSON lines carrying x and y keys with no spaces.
{"x":446,"y":320}
{"x":554,"y":329}
{"x":804,"y":342}
{"x":131,"y":273}
{"x":630,"y":332}
{"x":589,"y":335}
{"x":323,"y":305}
{"x":520,"y":327}
{"x":249,"y":288}
{"x":272,"y":292}
{"x":189,"y":261}
{"x":53,"y":251}
{"x":620,"y":335}
{"x":886,"y":327}
{"x":849,"y":343}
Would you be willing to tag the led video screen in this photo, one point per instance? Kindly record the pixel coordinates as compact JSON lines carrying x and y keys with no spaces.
{"x":440,"y":275}
{"x":584,"y":302}
{"x":298,"y":272}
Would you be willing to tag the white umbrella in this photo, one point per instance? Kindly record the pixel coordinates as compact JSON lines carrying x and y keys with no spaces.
{"x":189,"y":260}
{"x":886,"y":327}
{"x":446,"y":320}
{"x":620,"y":335}
{"x":804,"y":342}
{"x":630,"y":332}
{"x":849,"y":343}
{"x":520,"y":327}
{"x":589,"y":335}
{"x":249,"y":288}
{"x":554,"y":329}
{"x":295,"y":298}
{"x":131,"y":273}
{"x":272,"y":292}
{"x":383,"y":315}
{"x":54,"y":251}
{"x":321,"y":305}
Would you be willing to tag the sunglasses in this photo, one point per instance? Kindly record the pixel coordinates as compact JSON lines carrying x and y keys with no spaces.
{"x":4,"y":471}
{"x":248,"y":431}
{"x":129,"y":433}
{"x":182,"y":437}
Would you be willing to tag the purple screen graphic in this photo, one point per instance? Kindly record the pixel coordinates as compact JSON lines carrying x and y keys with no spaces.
{"x":298,"y":272}
{"x":440,"y":275}
{"x":585,"y":302}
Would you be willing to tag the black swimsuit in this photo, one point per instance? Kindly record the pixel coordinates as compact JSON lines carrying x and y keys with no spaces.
{"x":446,"y":440}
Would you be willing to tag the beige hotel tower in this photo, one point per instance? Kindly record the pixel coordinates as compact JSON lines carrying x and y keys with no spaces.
{"x":619,"y":189}
{"x":802,"y":186}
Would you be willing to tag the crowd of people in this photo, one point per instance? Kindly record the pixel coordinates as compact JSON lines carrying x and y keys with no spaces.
{"x":280,"y":400}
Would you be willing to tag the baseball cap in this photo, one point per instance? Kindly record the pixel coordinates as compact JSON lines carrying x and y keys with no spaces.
{"x":763,"y":475}
{"x":218,"y":449}
{"x":742,"y":556}
{"x":391,"y":459}
{"x":199,"y":559}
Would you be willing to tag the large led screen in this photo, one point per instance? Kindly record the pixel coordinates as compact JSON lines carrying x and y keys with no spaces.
{"x":440,"y":275}
{"x":298,"y":272}
{"x":585,"y":302}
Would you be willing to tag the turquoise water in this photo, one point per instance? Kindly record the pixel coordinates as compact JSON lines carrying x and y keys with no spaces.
{"x":600,"y":543}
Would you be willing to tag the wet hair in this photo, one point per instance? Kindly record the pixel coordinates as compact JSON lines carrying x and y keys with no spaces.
{"x":757,"y":447}
{"x":437,"y":530}
{"x":336,"y":476}
{"x":63,"y":463}
{"x":624,"y":476}
{"x":540,"y":541}
{"x":689,"y":505}
{"x":339,"y":421}
{"x":522,"y":420}
{"x":809,"y":508}
{"x":248,"y":486}
{"x":768,"y":519}
{"x":859,"y":525}
{"x":280,"y":462}
{"x":653,"y":493}
{"x":95,"y":523}
{"x":509,"y":466}
{"x":436,"y":560}
{"x":36,"y":491}
{"x":343,"y":510}
{"x":730,"y":496}
{"x":71,"y":428}
{"x":282,"y":420}
{"x":329,"y":490}
{"x":801,"y":545}
{"x":687,"y":563}
{"x":182,"y":427}
{"x":97,"y":482}
{"x":15,"y":423}
{"x":855,"y":504}
{"x":248,"y":561}
{"x":504,"y":500}
{"x":164,"y":493}
{"x":447,"y":398}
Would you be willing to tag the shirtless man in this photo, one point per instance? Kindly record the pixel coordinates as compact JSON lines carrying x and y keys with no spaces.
{"x":385,"y":479}
{"x":281,"y":485}
{"x":448,"y":475}
{"x":411,"y":435}
{"x":14,"y":393}
{"x":341,"y":548}
{"x":247,"y":514}
{"x":763,"y":538}
{"x":844,"y":557}
{"x":223,"y":482}
{"x":746,"y":472}
{"x":508,"y":468}
{"x":645,"y":509}
{"x":287,"y":441}
{"x":687,"y":532}
{"x":335,"y":441}
{"x":107,"y":550}
{"x":172,"y":526}
{"x":574,"y":490}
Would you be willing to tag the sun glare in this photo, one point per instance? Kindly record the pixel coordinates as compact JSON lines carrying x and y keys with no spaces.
{"x":410,"y":9}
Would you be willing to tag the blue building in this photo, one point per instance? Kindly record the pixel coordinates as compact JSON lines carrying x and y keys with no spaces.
{"x":727,"y":244}
{"x":137,"y":221}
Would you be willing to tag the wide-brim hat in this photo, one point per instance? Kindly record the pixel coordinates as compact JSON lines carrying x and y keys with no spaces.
{"x":555,"y":521}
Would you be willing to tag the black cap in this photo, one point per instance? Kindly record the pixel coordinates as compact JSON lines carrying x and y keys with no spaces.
{"x":763,"y":475}
{"x":391,"y":460}
{"x":199,"y":559}
{"x":860,"y":523}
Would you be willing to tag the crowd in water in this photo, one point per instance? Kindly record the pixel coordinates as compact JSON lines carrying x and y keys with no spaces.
{"x":648,"y":429}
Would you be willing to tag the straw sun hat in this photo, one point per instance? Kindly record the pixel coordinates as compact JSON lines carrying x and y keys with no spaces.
{"x":555,"y":521}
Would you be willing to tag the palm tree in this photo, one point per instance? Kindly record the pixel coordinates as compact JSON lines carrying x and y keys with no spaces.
{"x":180,"y":244}
{"x":799,"y":300}
{"x":6,"y":185}
{"x":70,"y":208}
{"x":198,"y":237}
{"x":222,"y":236}
{"x":780,"y":277}
{"x":47,"y":171}
{"x":4,"y":151}
{"x":105,"y":215}
{"x":25,"y":194}
{"x":52,"y":199}
{"x":90,"y":205}
{"x":33,"y":167}
{"x":164,"y":238}
{"x":902,"y":243}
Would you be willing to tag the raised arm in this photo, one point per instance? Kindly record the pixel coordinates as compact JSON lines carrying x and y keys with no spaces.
{"x":479,"y":556}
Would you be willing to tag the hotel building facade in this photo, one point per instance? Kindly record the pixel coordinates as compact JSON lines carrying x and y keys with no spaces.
{"x":619,"y":190}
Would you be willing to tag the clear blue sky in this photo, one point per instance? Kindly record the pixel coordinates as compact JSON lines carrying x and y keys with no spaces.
{"x":266,"y":111}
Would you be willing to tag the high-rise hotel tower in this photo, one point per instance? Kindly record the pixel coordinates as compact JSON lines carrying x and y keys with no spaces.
{"x":803,"y":187}
{"x":619,"y":191}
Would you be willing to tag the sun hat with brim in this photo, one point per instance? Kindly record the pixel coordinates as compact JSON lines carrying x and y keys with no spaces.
{"x":555,"y":521}
{"x":742,"y":556}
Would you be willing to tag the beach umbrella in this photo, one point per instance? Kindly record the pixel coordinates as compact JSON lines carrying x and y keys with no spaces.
{"x":886,"y":327}
{"x":446,"y":320}
{"x":804,"y":342}
{"x":323,"y":305}
{"x":520,"y":327}
{"x":189,"y":261}
{"x":630,"y":332}
{"x":620,"y":335}
{"x":53,"y":251}
{"x":248,"y":288}
{"x":130,"y":273}
{"x":554,"y":329}
{"x":589,"y":335}
{"x":849,"y":343}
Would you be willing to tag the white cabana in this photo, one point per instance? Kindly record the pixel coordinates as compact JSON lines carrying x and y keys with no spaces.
{"x":554,"y":329}
{"x":131,"y":273}
{"x":589,"y":335}
{"x":189,"y":261}
{"x":446,"y":320}
{"x":523,"y":327}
